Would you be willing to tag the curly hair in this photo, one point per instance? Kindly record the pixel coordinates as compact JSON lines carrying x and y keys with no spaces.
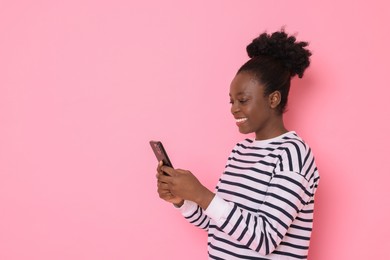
{"x":274,"y":59}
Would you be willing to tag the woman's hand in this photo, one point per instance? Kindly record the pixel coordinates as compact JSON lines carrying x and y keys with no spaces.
{"x":163,"y":190}
{"x":183,"y":184}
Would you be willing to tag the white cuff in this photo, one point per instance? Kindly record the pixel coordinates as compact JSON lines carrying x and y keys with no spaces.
{"x":218,"y":209}
{"x":188,"y":208}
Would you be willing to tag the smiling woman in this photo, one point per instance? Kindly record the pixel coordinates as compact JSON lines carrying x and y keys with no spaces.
{"x":262,"y":84}
{"x":253,"y":110}
{"x":264,"y":202}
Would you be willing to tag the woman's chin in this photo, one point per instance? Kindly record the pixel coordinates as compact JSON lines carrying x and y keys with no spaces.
{"x":244,"y":131}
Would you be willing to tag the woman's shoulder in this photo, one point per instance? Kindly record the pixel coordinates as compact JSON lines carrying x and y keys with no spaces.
{"x":293,"y":139}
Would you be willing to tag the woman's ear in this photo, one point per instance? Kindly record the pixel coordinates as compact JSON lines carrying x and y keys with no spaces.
{"x":274,"y":99}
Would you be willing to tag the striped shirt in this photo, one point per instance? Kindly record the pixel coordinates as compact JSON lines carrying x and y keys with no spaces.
{"x":264,"y":202}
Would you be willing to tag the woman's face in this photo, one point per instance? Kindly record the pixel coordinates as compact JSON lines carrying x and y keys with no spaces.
{"x":253,"y":111}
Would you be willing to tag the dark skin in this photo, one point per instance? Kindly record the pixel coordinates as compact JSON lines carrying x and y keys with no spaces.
{"x":259,"y":111}
{"x":254,"y":113}
{"x":180,"y":185}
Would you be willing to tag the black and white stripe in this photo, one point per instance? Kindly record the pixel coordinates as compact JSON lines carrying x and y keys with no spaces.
{"x":269,"y":188}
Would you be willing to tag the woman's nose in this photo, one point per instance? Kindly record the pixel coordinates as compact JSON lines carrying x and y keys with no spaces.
{"x":234,"y":108}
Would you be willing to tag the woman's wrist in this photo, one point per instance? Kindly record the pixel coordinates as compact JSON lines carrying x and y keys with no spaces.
{"x":205,"y":198}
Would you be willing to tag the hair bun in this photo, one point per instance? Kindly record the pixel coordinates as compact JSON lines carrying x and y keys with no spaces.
{"x":284,"y":48}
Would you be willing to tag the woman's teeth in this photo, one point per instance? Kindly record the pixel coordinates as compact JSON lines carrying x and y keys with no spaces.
{"x":240,"y":120}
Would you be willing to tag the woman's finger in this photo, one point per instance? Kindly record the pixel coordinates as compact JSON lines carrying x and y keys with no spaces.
{"x":168,"y":170}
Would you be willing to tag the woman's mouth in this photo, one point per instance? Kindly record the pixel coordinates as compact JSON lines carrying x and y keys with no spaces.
{"x":240,"y":121}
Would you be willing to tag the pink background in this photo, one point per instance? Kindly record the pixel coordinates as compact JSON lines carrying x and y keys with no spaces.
{"x":84,"y":85}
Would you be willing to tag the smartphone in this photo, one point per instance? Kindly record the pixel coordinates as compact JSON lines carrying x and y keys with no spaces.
{"x":160,"y":153}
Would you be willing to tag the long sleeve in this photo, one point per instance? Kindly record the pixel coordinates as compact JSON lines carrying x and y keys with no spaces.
{"x":195,"y":214}
{"x":264,"y":202}
{"x":264,"y":230}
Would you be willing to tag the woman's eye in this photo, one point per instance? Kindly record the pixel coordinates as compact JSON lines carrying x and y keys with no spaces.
{"x":241,"y":101}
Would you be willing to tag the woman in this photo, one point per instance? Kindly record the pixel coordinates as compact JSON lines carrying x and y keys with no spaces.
{"x":262,"y":207}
